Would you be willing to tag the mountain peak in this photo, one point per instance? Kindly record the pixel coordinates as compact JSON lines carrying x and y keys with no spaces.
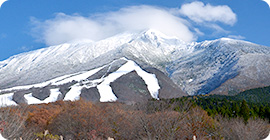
{"x":155,"y":34}
{"x":198,"y":68}
{"x":226,"y":39}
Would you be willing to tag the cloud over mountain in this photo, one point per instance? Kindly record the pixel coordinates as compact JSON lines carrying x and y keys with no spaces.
{"x":171,"y":21}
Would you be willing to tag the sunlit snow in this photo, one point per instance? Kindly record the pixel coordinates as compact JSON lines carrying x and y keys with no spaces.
{"x":52,"y":98}
{"x":74,"y":93}
{"x":78,"y":77}
{"x":6,"y":100}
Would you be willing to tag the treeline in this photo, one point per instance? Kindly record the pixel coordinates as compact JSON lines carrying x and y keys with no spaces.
{"x":233,"y":109}
{"x":162,"y":119}
{"x":259,"y":96}
{"x":251,"y":103}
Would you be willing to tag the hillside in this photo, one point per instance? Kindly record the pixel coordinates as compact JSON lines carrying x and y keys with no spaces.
{"x":86,"y":68}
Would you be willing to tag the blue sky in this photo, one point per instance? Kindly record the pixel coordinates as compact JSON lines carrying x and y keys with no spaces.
{"x":27,"y":25}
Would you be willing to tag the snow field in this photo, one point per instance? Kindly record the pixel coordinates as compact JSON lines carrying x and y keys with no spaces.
{"x":6,"y":100}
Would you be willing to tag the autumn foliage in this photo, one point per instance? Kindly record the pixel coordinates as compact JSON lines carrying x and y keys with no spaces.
{"x":97,"y":121}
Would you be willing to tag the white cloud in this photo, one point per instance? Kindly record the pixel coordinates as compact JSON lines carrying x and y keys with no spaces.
{"x":65,"y":28}
{"x":199,"y":12}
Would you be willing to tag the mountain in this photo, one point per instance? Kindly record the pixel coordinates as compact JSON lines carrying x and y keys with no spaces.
{"x":133,"y":67}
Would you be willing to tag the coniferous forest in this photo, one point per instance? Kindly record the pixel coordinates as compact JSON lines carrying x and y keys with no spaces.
{"x":244,"y":116}
{"x":248,"y":104}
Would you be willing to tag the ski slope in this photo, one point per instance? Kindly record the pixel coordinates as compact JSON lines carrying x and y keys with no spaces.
{"x":81,"y":81}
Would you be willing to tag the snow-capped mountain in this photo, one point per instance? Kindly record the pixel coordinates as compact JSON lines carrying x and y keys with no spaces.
{"x":142,"y":64}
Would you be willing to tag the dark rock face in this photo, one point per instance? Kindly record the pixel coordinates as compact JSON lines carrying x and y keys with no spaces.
{"x":130,"y":88}
{"x":90,"y":94}
{"x":40,"y":93}
{"x":18,"y":97}
{"x":64,"y":89}
{"x":168,"y":89}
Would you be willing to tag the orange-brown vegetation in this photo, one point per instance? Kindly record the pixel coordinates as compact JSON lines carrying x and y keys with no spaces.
{"x":96,"y":121}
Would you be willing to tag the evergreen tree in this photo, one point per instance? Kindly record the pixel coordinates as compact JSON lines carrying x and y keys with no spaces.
{"x":262,"y":112}
{"x":244,"y":111}
{"x":235,"y":109}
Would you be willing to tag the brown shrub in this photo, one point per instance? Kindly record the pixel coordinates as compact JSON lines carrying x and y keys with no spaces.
{"x":12,"y":122}
{"x":199,"y":124}
{"x":80,"y":120}
{"x":235,"y":128}
{"x":154,"y":120}
{"x":40,"y":116}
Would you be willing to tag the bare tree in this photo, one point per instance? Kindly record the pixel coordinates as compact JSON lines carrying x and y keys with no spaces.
{"x":159,"y":119}
{"x":12,"y":121}
{"x":235,"y":128}
{"x":199,"y":124}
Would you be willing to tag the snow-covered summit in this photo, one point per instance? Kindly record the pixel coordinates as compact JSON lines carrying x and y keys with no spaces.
{"x":217,"y":66}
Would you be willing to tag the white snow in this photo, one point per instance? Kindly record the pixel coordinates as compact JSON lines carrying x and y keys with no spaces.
{"x":74,"y":93}
{"x":1,"y":137}
{"x":57,"y":81}
{"x":106,"y":92}
{"x":151,"y":46}
{"x":24,"y":87}
{"x":6,"y":100}
{"x":55,"y":59}
{"x":153,"y":34}
{"x":78,"y":77}
{"x":52,"y":98}
{"x":102,"y":84}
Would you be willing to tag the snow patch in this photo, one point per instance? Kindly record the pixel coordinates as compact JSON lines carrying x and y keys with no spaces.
{"x":52,"y":98}
{"x":74,"y":93}
{"x":6,"y":100}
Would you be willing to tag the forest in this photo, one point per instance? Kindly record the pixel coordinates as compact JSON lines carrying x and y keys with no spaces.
{"x":248,"y":104}
{"x":244,"y":116}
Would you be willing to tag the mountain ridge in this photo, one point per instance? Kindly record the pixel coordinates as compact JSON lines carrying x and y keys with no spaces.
{"x":221,"y":66}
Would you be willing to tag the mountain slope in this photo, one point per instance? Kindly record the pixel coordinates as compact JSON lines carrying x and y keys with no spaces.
{"x":100,"y":84}
{"x":221,"y":66}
